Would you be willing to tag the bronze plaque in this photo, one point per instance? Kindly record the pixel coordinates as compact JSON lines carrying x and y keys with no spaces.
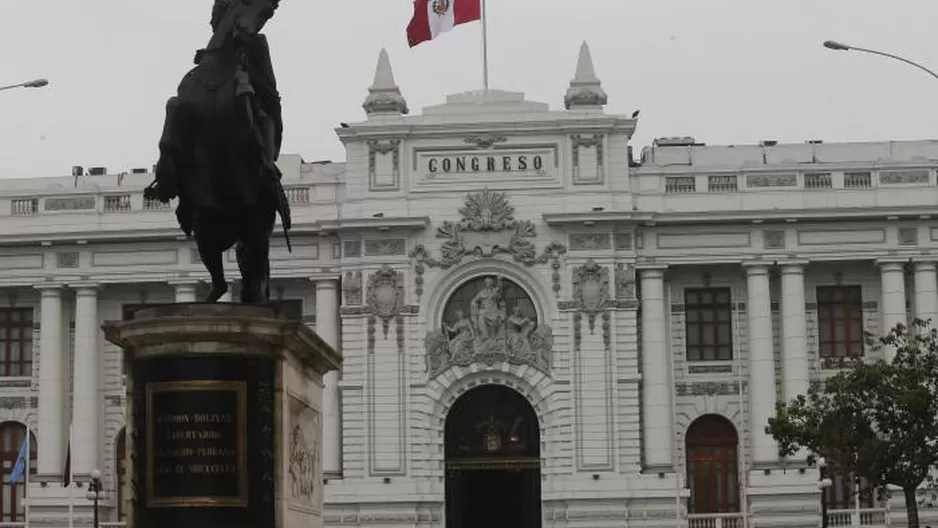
{"x":195,"y":451}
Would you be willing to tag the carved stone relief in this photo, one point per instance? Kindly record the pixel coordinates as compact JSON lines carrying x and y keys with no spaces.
{"x":385,"y":247}
{"x":375,"y":149}
{"x":590,"y":242}
{"x":385,"y":297}
{"x":908,"y":236}
{"x":352,"y":288}
{"x":625,"y":282}
{"x":484,"y":142}
{"x":709,"y":388}
{"x":591,"y":295}
{"x":304,"y":464}
{"x":623,"y":241}
{"x":489,"y":320}
{"x":773,"y":239}
{"x":80,"y":203}
{"x":352,"y":249}
{"x":67,"y":259}
{"x":487,"y":228}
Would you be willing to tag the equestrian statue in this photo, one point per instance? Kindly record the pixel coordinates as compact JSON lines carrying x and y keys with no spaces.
{"x":219,"y":147}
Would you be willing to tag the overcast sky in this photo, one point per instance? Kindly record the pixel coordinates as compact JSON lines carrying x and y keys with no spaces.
{"x":724,"y":71}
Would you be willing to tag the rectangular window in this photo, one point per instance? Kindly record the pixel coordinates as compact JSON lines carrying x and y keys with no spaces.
{"x":709,"y":324}
{"x":16,"y":341}
{"x":840,"y":321}
{"x":842,"y":495}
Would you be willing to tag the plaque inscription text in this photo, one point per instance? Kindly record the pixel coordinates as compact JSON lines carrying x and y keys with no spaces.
{"x":196,"y":444}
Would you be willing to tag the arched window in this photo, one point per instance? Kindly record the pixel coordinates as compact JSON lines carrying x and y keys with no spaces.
{"x":12,"y":435}
{"x":712,"y":465}
{"x":120,"y":465}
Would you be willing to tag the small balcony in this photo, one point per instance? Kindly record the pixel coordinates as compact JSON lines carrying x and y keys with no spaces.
{"x":876,"y":517}
{"x":716,"y":520}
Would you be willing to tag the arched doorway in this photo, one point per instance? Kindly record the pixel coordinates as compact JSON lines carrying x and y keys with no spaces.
{"x":493,"y":464}
{"x":712,"y":465}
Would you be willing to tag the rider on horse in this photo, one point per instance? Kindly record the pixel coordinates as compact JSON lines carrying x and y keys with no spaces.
{"x":219,"y":146}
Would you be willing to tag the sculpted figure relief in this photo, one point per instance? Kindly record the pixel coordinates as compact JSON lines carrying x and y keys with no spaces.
{"x":488,"y":334}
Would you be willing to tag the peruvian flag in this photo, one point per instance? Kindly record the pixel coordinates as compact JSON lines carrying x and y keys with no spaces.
{"x":432,"y":17}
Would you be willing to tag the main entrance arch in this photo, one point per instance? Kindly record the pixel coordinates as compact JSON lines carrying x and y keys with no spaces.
{"x":493,"y":465}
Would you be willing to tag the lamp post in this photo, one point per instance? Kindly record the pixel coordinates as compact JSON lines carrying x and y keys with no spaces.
{"x":38,"y":83}
{"x":823,"y":483}
{"x":94,"y":493}
{"x":840,"y":46}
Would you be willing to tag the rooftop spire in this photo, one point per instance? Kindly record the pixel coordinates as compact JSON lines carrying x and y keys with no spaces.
{"x":384,"y":96}
{"x":585,"y":90}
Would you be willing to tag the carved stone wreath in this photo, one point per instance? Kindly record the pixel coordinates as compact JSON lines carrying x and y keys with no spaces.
{"x":385,"y":299}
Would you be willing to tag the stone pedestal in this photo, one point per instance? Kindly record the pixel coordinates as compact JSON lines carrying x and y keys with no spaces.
{"x":224,"y":415}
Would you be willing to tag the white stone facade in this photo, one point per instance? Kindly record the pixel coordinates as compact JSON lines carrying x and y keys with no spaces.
{"x":605,"y":248}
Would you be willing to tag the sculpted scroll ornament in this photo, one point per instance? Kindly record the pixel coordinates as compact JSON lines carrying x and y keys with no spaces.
{"x":385,"y":298}
{"x":488,"y":331}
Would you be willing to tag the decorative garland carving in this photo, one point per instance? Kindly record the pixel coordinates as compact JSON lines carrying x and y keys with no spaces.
{"x":591,"y":290}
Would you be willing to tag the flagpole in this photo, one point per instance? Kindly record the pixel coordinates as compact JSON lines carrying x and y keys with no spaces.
{"x":29,"y":461}
{"x":71,"y":498}
{"x":485,"y":47}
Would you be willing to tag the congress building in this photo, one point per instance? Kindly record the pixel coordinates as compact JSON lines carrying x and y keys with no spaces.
{"x":541,"y":327}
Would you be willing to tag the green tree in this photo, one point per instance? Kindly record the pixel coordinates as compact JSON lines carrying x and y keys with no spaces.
{"x":875,"y":419}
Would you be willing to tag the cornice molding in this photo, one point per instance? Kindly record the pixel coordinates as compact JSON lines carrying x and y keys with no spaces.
{"x":413,"y":223}
{"x":594,"y":217}
{"x":770,"y":216}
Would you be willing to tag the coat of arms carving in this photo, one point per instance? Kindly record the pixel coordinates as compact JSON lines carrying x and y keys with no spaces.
{"x":488,"y":227}
{"x":591,"y":289}
{"x":385,"y":295}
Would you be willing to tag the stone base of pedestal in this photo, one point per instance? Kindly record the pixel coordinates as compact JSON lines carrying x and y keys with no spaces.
{"x":224,"y":421}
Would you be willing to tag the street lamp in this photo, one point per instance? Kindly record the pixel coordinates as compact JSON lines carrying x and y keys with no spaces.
{"x":94,"y":493}
{"x":38,"y":83}
{"x":840,"y":46}
{"x":823,"y":483}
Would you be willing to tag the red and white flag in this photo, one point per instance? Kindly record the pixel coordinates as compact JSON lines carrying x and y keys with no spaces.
{"x":433,"y":17}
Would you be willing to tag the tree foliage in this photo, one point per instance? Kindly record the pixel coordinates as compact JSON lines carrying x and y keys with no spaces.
{"x":875,"y":419}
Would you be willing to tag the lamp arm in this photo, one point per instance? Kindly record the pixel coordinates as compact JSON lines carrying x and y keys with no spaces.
{"x":896,"y":57}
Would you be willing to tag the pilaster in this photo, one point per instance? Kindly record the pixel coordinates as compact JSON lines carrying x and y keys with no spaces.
{"x":86,"y":407}
{"x":657,"y":413}
{"x":327,"y":326}
{"x":892,"y":275}
{"x":52,"y":384}
{"x":761,"y":363}
{"x":926,"y":292}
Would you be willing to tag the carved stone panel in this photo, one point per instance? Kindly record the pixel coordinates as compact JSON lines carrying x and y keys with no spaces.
{"x":385,"y":247}
{"x":67,"y":259}
{"x":352,"y":288}
{"x":590,"y":242}
{"x":625,"y":282}
{"x":489,"y":320}
{"x":384,"y":165}
{"x":305,"y":477}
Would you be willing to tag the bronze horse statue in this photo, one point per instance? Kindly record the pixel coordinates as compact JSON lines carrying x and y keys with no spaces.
{"x":220,"y":142}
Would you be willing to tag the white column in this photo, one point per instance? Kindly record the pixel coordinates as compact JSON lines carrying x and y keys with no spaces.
{"x":893,"y":305}
{"x":794,"y":332}
{"x":657,"y":434}
{"x":327,"y":326}
{"x":926,"y":293}
{"x":761,"y":364}
{"x":86,"y":407}
{"x":52,"y":383}
{"x":185,"y":292}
